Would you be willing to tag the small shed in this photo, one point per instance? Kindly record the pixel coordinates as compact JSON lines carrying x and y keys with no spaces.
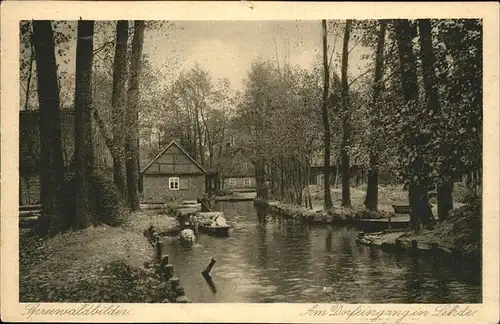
{"x":172,"y":174}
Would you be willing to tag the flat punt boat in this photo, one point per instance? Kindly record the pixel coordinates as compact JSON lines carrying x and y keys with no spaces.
{"x":213,"y":223}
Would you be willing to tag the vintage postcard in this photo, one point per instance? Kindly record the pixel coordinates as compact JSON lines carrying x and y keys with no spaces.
{"x":249,"y":162}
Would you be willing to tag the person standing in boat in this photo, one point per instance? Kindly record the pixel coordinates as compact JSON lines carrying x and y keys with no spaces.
{"x":205,"y":203}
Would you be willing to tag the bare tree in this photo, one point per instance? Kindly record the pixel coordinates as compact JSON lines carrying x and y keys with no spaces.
{"x":118,"y":103}
{"x":371,"y":200}
{"x":132,"y":136}
{"x":326,"y":122}
{"x":52,"y":167}
{"x":84,"y":159}
{"x":346,"y":115}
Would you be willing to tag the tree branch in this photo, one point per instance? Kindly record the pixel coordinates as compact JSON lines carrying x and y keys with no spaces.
{"x":331,"y":55}
{"x":359,"y":76}
{"x":356,"y":44}
{"x":103,"y":46}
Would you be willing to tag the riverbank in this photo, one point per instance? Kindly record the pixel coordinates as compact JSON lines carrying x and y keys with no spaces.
{"x":457,"y":238}
{"x":454,"y":240}
{"x":337,"y":214}
{"x":237,"y":196}
{"x":99,"y":264}
{"x":389,"y":196}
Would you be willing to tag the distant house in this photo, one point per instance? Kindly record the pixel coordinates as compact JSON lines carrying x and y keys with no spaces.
{"x":172,"y":174}
{"x":237,"y":172}
{"x":357,"y":172}
{"x":243,"y":179}
{"x":357,"y":169}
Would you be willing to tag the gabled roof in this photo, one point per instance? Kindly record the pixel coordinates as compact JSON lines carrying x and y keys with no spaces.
{"x":182,"y":150}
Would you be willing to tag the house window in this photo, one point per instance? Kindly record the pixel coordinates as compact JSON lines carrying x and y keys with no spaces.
{"x":320,"y":180}
{"x":173,"y":183}
{"x":231,"y":181}
{"x":247,"y":182}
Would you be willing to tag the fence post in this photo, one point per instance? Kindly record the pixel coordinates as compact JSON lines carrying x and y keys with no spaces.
{"x":168,"y":270}
{"x":159,"y":248}
{"x":164,"y":261}
{"x":414,"y":246}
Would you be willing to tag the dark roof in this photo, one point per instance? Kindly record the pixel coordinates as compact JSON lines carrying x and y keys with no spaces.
{"x":165,"y":149}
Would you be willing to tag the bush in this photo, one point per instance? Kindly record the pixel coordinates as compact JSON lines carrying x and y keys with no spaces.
{"x":110,"y":208}
{"x":462,"y":193}
{"x":464,"y":227}
{"x":114,"y":282}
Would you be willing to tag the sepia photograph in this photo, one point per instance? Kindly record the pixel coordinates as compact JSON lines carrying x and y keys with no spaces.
{"x":319,"y":161}
{"x":262,"y":161}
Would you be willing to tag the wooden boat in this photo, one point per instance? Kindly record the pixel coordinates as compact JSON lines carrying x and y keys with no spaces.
{"x":374,"y":225}
{"x":401,"y":209}
{"x":213,"y":223}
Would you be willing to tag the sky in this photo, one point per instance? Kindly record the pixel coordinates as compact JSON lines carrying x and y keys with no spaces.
{"x":227,"y":48}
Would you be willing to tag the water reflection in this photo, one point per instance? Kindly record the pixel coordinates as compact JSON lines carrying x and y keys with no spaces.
{"x":270,"y":259}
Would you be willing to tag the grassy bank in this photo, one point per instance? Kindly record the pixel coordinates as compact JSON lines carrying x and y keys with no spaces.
{"x":101,"y":264}
{"x":462,"y":230}
{"x":388,"y":196}
{"x":458,"y":237}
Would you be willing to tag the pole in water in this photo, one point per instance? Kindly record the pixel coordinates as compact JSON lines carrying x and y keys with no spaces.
{"x":208,"y":278}
{"x":209,"y":267}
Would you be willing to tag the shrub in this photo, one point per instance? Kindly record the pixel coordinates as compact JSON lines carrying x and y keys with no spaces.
{"x":462,"y":193}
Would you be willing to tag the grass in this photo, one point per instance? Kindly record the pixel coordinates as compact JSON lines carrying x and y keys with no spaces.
{"x":387,"y":196}
{"x":462,"y":229}
{"x":98,"y":264}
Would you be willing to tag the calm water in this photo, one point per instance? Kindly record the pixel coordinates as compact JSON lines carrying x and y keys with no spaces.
{"x":268,"y":259}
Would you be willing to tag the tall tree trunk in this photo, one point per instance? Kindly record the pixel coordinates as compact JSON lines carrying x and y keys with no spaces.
{"x":371,"y":199}
{"x":282,"y":178}
{"x":418,"y":195}
{"x":326,"y":122}
{"x":200,"y":137}
{"x":131,"y":141}
{"x":308,"y":180}
{"x":52,"y":166}
{"x":445,"y":189}
{"x":260,"y":181}
{"x":30,"y":74}
{"x":118,"y":102}
{"x":346,"y":123}
{"x":84,"y":158}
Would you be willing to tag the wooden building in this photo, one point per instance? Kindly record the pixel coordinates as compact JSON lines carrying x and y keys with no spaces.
{"x":357,"y":170}
{"x":236,"y":171}
{"x":242,"y":180}
{"x":29,"y":151}
{"x":172,"y":174}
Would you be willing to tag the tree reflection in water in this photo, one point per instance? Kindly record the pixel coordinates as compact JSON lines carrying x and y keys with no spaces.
{"x":270,"y":259}
{"x":413,"y":281}
{"x":263,"y":256}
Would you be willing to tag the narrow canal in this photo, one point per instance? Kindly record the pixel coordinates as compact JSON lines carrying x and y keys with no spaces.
{"x":269,"y":259}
